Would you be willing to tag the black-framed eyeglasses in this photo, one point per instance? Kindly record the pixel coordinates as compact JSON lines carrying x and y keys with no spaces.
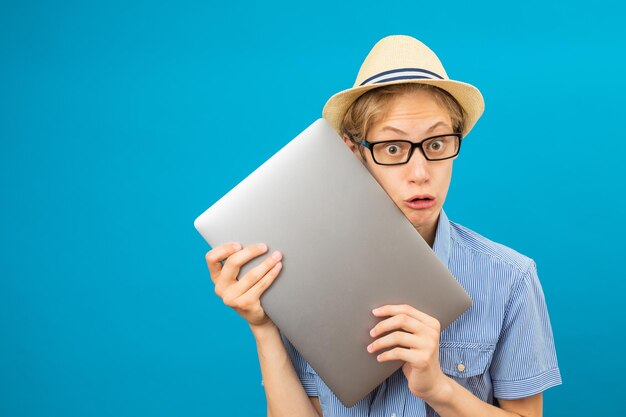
{"x":398,"y":152}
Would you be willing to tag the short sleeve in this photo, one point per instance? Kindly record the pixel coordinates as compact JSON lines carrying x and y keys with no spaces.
{"x":524,"y":361}
{"x":302,"y":368}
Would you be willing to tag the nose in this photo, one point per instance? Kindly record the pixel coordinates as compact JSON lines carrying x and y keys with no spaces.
{"x":418,"y":168}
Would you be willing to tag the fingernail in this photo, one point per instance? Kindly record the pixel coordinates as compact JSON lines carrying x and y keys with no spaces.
{"x":372,"y":332}
{"x":375,"y":311}
{"x":263,"y":246}
{"x":237,"y":246}
{"x":369,"y":348}
{"x":277,"y":255}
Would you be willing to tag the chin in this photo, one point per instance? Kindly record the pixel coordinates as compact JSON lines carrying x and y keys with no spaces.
{"x":422,"y":218}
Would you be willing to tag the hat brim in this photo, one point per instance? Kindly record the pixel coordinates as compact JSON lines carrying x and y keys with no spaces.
{"x":468,"y":96}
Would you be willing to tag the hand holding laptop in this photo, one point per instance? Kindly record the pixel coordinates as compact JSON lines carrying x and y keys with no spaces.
{"x":411,"y":336}
{"x":243,"y":294}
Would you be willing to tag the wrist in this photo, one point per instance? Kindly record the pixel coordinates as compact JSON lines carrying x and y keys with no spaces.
{"x":441,"y":391}
{"x":262,"y":331}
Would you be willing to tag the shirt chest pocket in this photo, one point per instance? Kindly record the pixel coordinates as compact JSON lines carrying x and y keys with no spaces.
{"x":461,"y":360}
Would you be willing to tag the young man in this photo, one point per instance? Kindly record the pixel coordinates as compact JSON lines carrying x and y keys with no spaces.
{"x":405,"y":120}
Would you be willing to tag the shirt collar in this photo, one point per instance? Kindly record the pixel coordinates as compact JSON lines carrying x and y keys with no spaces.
{"x":442,"y":238}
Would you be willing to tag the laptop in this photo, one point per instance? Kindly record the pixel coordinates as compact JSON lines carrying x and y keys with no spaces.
{"x":347,"y":249}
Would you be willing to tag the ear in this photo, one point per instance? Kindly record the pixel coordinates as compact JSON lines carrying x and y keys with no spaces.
{"x":352,"y":146}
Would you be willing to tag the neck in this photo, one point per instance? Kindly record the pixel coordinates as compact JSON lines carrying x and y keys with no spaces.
{"x":428,"y":232}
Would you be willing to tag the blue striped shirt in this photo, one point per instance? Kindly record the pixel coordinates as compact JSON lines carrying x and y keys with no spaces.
{"x":502,"y":347}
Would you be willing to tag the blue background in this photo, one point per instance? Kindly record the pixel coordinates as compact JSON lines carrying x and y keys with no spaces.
{"x":120,"y":122}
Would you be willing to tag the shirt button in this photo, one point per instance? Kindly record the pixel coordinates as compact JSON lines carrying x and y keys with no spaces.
{"x":393,"y":414}
{"x":460,"y":367}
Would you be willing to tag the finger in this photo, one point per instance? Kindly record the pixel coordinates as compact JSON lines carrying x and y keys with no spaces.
{"x":399,"y":322}
{"x":393,"y":310}
{"x":403,"y":339}
{"x":251,"y":278}
{"x":397,"y":354}
{"x":234,"y":263}
{"x":215,"y":256}
{"x":254,"y":293}
{"x":236,"y":289}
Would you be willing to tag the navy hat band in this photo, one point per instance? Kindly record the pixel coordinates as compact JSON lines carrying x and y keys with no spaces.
{"x":401,"y":74}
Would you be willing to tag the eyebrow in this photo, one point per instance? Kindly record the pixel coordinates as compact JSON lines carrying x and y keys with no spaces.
{"x":430,"y":129}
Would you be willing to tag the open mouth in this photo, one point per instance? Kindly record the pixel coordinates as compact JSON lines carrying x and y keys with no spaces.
{"x":420,"y":201}
{"x":416,"y":198}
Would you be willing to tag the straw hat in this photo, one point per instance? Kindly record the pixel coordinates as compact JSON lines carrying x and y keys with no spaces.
{"x":402,"y":59}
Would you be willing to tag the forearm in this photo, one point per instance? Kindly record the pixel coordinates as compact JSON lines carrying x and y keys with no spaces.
{"x":452,"y":400}
{"x":283,"y":390}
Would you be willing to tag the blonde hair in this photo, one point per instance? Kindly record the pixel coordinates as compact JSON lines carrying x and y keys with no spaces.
{"x":371,"y":107}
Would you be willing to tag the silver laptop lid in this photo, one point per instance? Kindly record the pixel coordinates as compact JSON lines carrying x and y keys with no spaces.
{"x":347,"y":249}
